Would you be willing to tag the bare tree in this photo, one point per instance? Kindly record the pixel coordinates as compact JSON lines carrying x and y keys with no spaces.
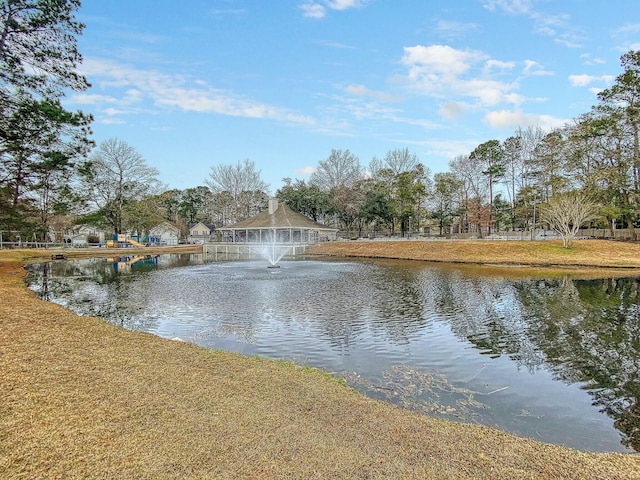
{"x":445,"y":199}
{"x":528,"y":140}
{"x":245,"y":188}
{"x":475,"y":191}
{"x":398,"y":161}
{"x":341,"y":169}
{"x":115,"y":175}
{"x":566,"y":213}
{"x":512,"y":148}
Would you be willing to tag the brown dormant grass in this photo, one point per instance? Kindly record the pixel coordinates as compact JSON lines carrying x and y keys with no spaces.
{"x":80,"y":398}
{"x":586,"y":253}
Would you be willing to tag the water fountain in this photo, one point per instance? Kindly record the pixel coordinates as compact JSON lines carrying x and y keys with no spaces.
{"x":273,"y":253}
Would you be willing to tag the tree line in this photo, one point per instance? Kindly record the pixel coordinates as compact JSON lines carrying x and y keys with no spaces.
{"x":53,"y":176}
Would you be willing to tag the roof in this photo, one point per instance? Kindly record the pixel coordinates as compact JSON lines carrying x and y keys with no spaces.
{"x":210,"y":226}
{"x":164,"y":227}
{"x":282,"y":217}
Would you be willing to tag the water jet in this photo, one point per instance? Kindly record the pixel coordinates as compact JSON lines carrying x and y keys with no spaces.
{"x":273,"y":253}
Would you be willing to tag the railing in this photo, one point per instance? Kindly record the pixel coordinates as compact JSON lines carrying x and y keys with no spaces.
{"x":524,"y":235}
{"x":241,"y":250}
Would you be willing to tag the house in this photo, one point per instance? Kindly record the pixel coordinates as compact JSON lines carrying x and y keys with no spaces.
{"x":79,"y":241}
{"x":90,"y":234}
{"x":165,"y":233}
{"x":202,"y":233}
{"x":279,"y":224}
{"x":431,"y":227}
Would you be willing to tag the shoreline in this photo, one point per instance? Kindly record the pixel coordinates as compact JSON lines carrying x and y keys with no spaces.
{"x":80,"y":398}
{"x":587,"y":254}
{"x":46,"y":254}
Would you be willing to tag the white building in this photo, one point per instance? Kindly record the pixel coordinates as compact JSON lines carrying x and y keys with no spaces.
{"x":165,"y":234}
{"x":201,"y":233}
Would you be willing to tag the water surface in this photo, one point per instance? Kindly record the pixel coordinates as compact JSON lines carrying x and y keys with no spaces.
{"x":556,"y":359}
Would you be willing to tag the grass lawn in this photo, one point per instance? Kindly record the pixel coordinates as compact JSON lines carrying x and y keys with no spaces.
{"x":586,"y":253}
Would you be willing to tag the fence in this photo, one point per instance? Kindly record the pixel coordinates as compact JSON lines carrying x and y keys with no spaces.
{"x":538,"y":234}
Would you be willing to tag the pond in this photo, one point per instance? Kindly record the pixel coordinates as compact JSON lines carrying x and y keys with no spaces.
{"x":556,"y":359}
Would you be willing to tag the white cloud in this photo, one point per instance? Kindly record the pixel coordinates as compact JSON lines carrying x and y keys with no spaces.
{"x":548,"y":25}
{"x":319,"y":9}
{"x":92,"y":99}
{"x":111,"y":121}
{"x":590,"y":60}
{"x":369,"y":110}
{"x":448,"y":147}
{"x":130,"y":103}
{"x":453,"y":110}
{"x":308,"y":170}
{"x":556,"y":26}
{"x":514,"y":98}
{"x":487,"y":92}
{"x":533,"y":68}
{"x":499,"y":65}
{"x":174,"y":91}
{"x":581,"y":80}
{"x":222,"y":12}
{"x":570,"y":40}
{"x":629,"y":28}
{"x":344,"y":110}
{"x":443,"y":72}
{"x":313,"y":10}
{"x":439,"y":60}
{"x":344,"y":4}
{"x":585,"y":80}
{"x":453,"y":30}
{"x":626,"y":37}
{"x":362,"y":91}
{"x":337,"y":45}
{"x":512,"y":119}
{"x":114,"y":111}
{"x":512,"y":7}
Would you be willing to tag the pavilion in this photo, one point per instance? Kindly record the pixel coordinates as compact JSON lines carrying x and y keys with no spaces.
{"x":279,"y":224}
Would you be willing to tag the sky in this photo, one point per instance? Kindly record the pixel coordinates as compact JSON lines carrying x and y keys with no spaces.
{"x":195,"y":83}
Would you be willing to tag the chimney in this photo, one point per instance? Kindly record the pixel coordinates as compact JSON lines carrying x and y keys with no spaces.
{"x":273,"y":205}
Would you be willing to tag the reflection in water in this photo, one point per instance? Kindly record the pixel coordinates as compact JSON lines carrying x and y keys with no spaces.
{"x":554,"y":359}
{"x":590,"y":334}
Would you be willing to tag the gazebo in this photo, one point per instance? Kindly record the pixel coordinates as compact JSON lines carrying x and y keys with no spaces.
{"x":279,"y":224}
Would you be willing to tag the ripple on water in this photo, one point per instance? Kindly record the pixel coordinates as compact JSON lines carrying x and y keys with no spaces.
{"x":515,"y":355}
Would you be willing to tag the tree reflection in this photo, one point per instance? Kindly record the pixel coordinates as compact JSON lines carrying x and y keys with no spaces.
{"x":585,"y":332}
{"x":99,"y":286}
{"x":488,"y":313}
{"x":589,"y":332}
{"x":400,"y":311}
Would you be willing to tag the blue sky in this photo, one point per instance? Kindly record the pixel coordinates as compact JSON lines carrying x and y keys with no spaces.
{"x":194,"y":83}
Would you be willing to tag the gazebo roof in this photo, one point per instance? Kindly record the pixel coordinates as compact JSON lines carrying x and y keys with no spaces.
{"x":280,"y":217}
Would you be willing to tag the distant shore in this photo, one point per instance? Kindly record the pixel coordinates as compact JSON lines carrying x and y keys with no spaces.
{"x":36,"y":254}
{"x":590,"y":254}
{"x":80,"y":398}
